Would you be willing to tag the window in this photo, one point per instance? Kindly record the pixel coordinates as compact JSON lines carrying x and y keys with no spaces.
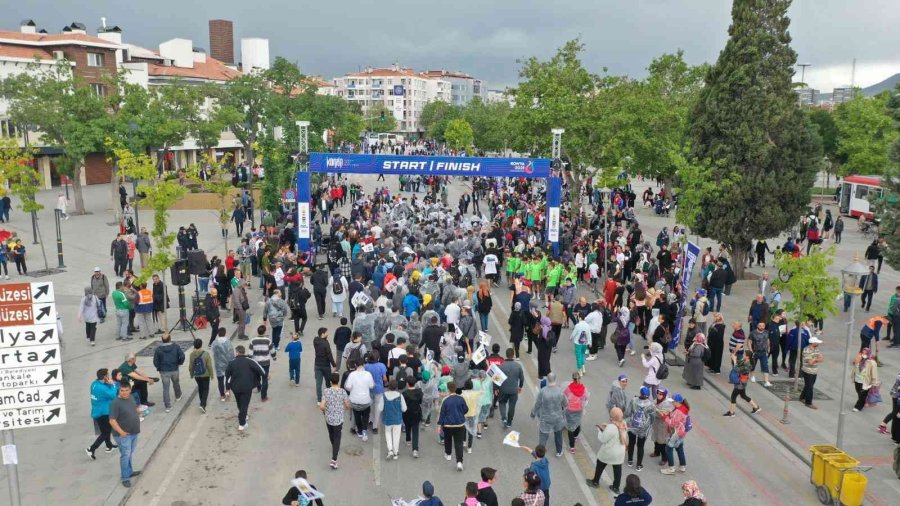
{"x":861,"y":191}
{"x":98,"y":89}
{"x":8,"y":128}
{"x":95,"y":59}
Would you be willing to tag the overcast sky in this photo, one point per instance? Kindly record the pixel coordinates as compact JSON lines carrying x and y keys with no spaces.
{"x":486,"y":37}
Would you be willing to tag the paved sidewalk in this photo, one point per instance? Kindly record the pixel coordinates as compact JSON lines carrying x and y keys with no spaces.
{"x":53,"y":467}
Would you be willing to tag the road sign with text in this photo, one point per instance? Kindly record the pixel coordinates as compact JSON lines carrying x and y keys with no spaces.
{"x":31,"y":379}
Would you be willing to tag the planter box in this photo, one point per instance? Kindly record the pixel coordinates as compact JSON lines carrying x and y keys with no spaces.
{"x":192,"y":201}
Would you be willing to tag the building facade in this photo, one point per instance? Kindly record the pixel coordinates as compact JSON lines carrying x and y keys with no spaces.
{"x":463,"y":87}
{"x":221,"y":40}
{"x":402,"y":91}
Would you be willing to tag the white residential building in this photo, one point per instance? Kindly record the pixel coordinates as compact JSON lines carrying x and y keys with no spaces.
{"x":402,"y":91}
{"x":463,"y":87}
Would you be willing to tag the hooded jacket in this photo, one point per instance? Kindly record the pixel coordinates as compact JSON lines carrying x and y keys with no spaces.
{"x":550,"y":409}
{"x":647,"y":409}
{"x":617,"y":398}
{"x":167,"y":357}
{"x":102,"y":395}
{"x":223,"y":354}
{"x":541,"y":467}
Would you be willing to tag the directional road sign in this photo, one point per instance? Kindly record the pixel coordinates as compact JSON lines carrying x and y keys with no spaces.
{"x":31,"y":379}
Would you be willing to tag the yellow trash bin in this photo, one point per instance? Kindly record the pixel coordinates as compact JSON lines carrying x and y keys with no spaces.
{"x":819,"y":452}
{"x":834,"y":466}
{"x":853,"y":488}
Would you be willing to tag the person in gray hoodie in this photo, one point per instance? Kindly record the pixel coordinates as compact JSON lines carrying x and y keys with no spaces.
{"x":167,"y":358}
{"x":617,"y":396}
{"x":510,"y":388}
{"x":89,"y":313}
{"x":275,"y":312}
{"x":414,"y":329}
{"x":365,"y":323}
{"x":641,"y":411}
{"x":356,"y":348}
{"x":550,"y":410}
{"x":223,"y":354}
{"x":382,"y":323}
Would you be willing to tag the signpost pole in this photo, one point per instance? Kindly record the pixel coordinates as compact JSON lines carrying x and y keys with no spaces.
{"x":59,"y":246}
{"x":12,"y":469}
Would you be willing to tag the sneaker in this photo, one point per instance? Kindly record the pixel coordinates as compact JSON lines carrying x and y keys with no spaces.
{"x":396,"y":456}
{"x":555,"y":349}
{"x":90,"y":453}
{"x":621,"y":362}
{"x":390,"y":455}
{"x":614,"y":490}
{"x":459,"y":466}
{"x":332,"y":464}
{"x":558,"y":454}
{"x":126,"y":483}
{"x":221,"y":399}
{"x":111,"y":448}
{"x":365,"y":436}
{"x":178,"y":398}
{"x":668,"y":471}
{"x":639,"y":468}
{"x":447,"y":456}
{"x":855,"y":410}
{"x":374,"y":430}
{"x":767,"y":384}
{"x":753,"y":379}
{"x":572,"y":450}
{"x":93,"y":343}
{"x":478,"y":435}
{"x":881,"y":428}
{"x":774,"y":374}
{"x":415,"y":454}
{"x":729,"y":414}
{"x":203,"y":410}
{"x":682,"y":469}
{"x":469,"y":450}
{"x":168,"y":410}
{"x":756,"y":410}
{"x":591,"y":357}
{"x":630,"y":463}
{"x":592,"y":483}
{"x":242,"y":428}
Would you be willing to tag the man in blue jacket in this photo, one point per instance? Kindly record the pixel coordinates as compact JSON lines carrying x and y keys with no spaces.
{"x":103,"y":391}
{"x":452,"y":420}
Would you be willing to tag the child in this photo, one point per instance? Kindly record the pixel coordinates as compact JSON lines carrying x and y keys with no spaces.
{"x":541,"y":467}
{"x":294,"y":349}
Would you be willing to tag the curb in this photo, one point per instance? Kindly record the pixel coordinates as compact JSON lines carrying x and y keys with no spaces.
{"x":169,"y":431}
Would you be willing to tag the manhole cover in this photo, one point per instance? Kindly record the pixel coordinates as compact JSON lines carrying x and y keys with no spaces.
{"x":780,"y":388}
{"x":151,"y":348}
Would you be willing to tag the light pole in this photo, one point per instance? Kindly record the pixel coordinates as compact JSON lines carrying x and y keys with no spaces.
{"x":850,"y":279}
{"x":132,"y":128}
{"x":803,"y":72}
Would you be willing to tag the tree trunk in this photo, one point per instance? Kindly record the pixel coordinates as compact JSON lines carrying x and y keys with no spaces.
{"x":738,"y":261}
{"x":668,"y":182}
{"x":43,"y":250}
{"x":77,"y":190}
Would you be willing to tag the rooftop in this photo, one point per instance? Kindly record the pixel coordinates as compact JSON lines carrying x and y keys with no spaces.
{"x":26,"y":52}
{"x":211,"y":70}
{"x":50,"y":39}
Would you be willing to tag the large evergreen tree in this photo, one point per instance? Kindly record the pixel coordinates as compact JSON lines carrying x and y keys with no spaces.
{"x":748,"y":125}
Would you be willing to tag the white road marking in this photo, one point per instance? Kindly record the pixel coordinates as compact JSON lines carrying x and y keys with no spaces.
{"x":164,"y":486}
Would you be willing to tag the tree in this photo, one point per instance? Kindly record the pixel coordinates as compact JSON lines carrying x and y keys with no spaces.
{"x":18,"y":174}
{"x":656,"y":113}
{"x":159,"y":196}
{"x":65,"y":110}
{"x":747,"y":123}
{"x":242,"y":105}
{"x":865,"y":133}
{"x":380,"y":119}
{"x":490,"y":123}
{"x":219,"y":183}
{"x":888,"y":209}
{"x":459,"y":134}
{"x":561,"y":93}
{"x":435,"y":117}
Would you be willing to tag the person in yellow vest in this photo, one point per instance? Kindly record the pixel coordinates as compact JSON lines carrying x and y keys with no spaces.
{"x":144,"y":311}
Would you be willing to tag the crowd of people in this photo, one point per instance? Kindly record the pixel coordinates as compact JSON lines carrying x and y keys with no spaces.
{"x":413,"y":280}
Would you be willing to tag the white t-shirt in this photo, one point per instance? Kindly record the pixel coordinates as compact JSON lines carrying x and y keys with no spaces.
{"x":594,"y":269}
{"x":376,"y":231}
{"x":452,"y":312}
{"x":490,"y":263}
{"x":358,"y":384}
{"x":396,"y":353}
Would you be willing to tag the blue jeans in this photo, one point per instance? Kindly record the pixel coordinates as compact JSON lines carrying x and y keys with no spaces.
{"x":543,"y":437}
{"x":276,"y":336}
{"x":670,"y":457}
{"x":122,"y":322}
{"x":127,"y":445}
{"x":203,"y":283}
{"x":715,"y":298}
{"x":294,"y":369}
{"x":484,"y":321}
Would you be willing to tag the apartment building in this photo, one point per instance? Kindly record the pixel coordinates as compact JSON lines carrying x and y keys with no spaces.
{"x":401,"y":90}
{"x":463,"y":87}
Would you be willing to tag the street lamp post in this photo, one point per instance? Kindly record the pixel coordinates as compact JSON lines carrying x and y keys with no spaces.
{"x":850,"y":280}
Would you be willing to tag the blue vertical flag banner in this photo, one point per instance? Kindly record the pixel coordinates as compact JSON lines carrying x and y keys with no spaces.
{"x":304,"y":222}
{"x":691,"y":254}
{"x":554,"y":191}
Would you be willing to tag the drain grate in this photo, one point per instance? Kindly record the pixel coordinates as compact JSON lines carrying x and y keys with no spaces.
{"x":780,"y":388}
{"x":151,"y":348}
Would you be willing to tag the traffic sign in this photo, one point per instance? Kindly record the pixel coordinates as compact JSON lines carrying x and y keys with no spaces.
{"x":31,"y":380}
{"x":289,"y":195}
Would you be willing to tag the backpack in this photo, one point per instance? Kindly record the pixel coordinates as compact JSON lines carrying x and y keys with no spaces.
{"x":401,"y":375}
{"x":198,"y":367}
{"x":466,"y":279}
{"x":688,"y":424}
{"x":337,"y":287}
{"x":639,"y":419}
{"x":355,"y":354}
{"x":662,"y":372}
{"x":705,"y":309}
{"x":707,"y":354}
{"x":582,"y":338}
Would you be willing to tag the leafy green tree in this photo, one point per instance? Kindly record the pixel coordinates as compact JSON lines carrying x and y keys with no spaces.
{"x":242,"y":105}
{"x":380,"y":119}
{"x":490,"y":123}
{"x":655,"y":116}
{"x":19,"y":177}
{"x":459,"y":134}
{"x":865,"y":133}
{"x":160,"y":196}
{"x":435,"y":117}
{"x":65,"y":110}
{"x":747,"y":123}
{"x":219,"y":183}
{"x":560,"y":92}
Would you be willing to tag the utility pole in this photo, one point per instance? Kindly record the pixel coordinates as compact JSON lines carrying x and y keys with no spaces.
{"x":803,"y":72}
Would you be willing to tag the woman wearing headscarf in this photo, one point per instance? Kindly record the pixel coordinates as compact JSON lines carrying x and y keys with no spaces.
{"x":694,"y":362}
{"x":692,"y":495}
{"x":659,"y":429}
{"x":516,"y":326}
{"x":544,"y":344}
{"x":676,"y":422}
{"x":622,"y":335}
{"x":577,"y":397}
{"x":864,"y":376}
{"x":652,"y":360}
{"x":613,"y":438}
{"x":88,"y":312}
{"x":716,"y":343}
